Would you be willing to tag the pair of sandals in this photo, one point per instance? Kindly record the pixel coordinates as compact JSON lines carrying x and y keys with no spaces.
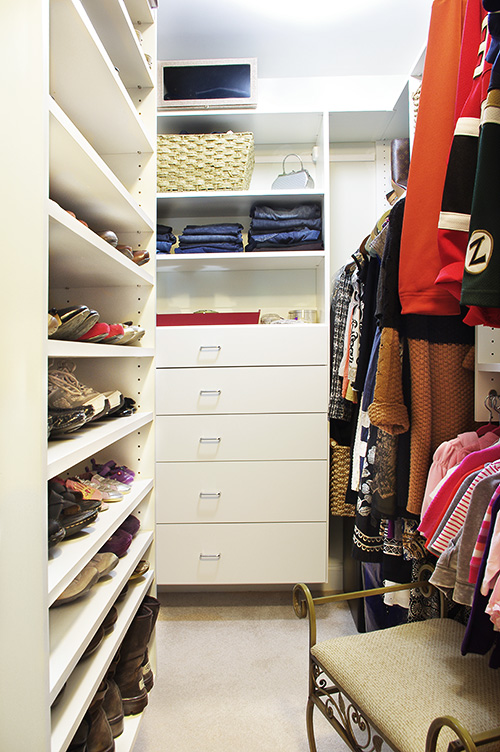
{"x":116,"y":334}
{"x":113,"y":471}
{"x":138,"y":257}
{"x":82,"y":323}
{"x":72,"y":322}
{"x":68,"y":512}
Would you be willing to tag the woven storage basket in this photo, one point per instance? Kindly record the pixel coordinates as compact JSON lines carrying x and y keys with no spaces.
{"x":205,"y":162}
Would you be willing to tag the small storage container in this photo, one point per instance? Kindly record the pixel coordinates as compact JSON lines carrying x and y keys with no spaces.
{"x":205,"y":161}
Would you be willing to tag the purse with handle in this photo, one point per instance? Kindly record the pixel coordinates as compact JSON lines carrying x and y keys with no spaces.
{"x":294,"y":179}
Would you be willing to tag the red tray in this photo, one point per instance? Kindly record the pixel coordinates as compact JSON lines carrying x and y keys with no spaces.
{"x":197,"y":319}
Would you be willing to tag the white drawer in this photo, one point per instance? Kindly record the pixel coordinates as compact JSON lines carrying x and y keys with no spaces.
{"x":195,"y":438}
{"x":241,"y":553}
{"x":252,"y":345}
{"x":287,"y":389}
{"x":242,"y":491}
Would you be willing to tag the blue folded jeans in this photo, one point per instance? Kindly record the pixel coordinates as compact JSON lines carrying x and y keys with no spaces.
{"x":201,"y":239}
{"x":231,"y":228}
{"x":301,"y":211}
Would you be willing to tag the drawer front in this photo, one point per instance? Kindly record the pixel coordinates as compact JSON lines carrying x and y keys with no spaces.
{"x":195,"y":438}
{"x":242,"y":491}
{"x":289,"y":389}
{"x":241,"y":553}
{"x":262,"y":344}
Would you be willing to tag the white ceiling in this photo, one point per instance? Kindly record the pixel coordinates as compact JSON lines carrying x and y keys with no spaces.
{"x":296,"y":38}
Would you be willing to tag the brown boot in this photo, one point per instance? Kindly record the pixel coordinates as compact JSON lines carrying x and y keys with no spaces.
{"x":100,"y":737}
{"x":112,"y":703}
{"x":79,"y":741}
{"x":147,"y":671}
{"x":128,"y":674}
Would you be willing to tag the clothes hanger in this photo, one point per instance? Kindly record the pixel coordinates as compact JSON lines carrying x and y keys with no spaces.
{"x":491,"y":404}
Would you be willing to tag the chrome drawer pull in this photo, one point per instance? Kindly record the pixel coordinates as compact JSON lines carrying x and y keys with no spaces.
{"x":210,"y":494}
{"x":210,"y":347}
{"x":210,"y":392}
{"x":209,"y":557}
{"x":210,"y":440}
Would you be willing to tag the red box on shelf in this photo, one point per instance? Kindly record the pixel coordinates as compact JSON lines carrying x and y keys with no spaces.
{"x":210,"y":318}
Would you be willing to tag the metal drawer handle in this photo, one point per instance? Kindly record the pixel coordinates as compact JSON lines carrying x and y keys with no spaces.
{"x":210,"y":494}
{"x":210,"y":440}
{"x":209,"y":557}
{"x":210,"y":392}
{"x":210,"y":347}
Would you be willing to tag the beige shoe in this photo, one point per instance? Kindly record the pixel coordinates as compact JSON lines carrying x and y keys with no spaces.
{"x":81,"y":585}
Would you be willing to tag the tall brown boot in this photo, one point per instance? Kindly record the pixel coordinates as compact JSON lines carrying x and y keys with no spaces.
{"x":100,"y":737}
{"x":147,"y":671}
{"x":128,"y":675}
{"x":112,"y":703}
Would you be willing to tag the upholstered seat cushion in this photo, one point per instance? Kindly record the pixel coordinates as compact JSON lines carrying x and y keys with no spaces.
{"x":406,"y":676}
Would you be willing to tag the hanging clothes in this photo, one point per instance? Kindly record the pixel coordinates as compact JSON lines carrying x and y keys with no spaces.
{"x":420,"y":261}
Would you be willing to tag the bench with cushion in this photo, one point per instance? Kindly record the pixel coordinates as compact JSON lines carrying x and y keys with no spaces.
{"x":408,"y":686}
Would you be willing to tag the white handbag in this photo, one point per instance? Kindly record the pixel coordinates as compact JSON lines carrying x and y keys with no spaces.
{"x":294,"y":179}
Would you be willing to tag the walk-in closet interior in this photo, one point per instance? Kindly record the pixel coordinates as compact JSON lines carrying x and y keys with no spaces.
{"x":264,"y":237}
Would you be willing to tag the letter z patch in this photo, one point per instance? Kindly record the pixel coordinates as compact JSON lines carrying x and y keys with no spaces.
{"x":479,"y":251}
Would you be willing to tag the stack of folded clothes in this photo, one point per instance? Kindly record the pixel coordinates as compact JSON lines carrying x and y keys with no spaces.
{"x":165,"y":239}
{"x":216,"y":238}
{"x":298,"y":228}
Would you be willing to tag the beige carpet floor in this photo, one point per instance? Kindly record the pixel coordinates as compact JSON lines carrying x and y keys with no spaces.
{"x":232,"y":675}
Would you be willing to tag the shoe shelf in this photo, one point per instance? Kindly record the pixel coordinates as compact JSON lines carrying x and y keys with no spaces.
{"x":73,"y":625}
{"x":114,"y":27}
{"x":78,"y":61}
{"x":261,"y":261}
{"x":89,"y":187}
{"x":68,"y":558}
{"x":83,"y":682}
{"x":140,"y":12}
{"x":67,"y":349}
{"x":126,"y":741}
{"x":79,"y":257}
{"x":87,"y":441}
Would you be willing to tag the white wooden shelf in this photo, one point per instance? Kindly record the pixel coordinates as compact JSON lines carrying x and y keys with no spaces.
{"x":140,"y":12}
{"x":255,"y":261}
{"x":86,"y":676}
{"x":116,"y":32}
{"x":80,"y":258}
{"x":125,"y":742}
{"x":72,"y":626}
{"x":489,"y":367}
{"x":67,"y":349}
{"x":85,"y":442}
{"x":68,"y":557}
{"x":228,"y":203}
{"x":78,"y":61}
{"x":278,"y":128}
{"x":349,"y":127}
{"x":82,"y":182}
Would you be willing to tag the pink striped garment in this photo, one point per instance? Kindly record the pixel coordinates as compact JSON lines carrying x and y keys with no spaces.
{"x":457,"y":517}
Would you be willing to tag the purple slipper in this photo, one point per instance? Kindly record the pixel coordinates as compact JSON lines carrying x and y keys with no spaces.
{"x":131,"y":525}
{"x":118,"y":544}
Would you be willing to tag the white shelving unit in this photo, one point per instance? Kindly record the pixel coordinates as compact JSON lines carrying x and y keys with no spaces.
{"x":270,"y":382}
{"x":487,"y":370}
{"x":82,"y":134}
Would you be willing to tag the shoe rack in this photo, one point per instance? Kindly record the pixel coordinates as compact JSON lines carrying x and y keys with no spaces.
{"x":80,"y":137}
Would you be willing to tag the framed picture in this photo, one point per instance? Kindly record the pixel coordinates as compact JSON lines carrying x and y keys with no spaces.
{"x":202,"y":84}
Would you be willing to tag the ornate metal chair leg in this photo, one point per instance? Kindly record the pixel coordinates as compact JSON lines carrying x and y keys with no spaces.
{"x":310,"y":725}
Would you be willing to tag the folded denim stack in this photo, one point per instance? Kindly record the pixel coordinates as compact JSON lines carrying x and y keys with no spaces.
{"x":216,"y":238}
{"x":298,"y":228}
{"x":165,"y":239}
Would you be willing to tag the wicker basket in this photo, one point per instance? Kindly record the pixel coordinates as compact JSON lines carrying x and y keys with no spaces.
{"x":205,"y":162}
